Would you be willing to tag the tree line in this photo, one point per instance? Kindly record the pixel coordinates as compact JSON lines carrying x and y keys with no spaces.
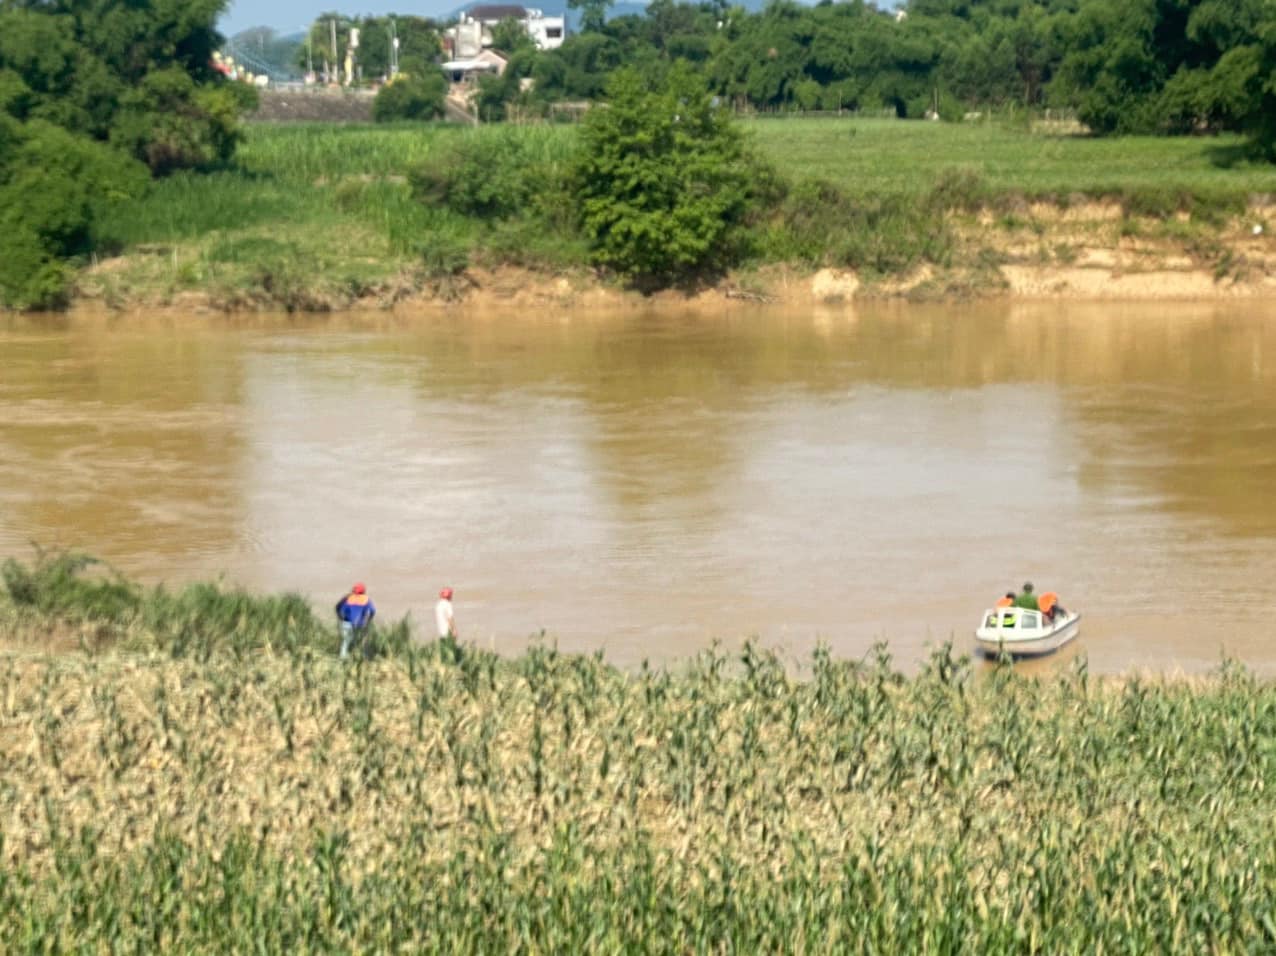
{"x":1142,"y":67}
{"x":96,"y":97}
{"x":1145,"y":66}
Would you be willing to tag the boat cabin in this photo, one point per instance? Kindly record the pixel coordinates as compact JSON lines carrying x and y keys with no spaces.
{"x":1018,"y":618}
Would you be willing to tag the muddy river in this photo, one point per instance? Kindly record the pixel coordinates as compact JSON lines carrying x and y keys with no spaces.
{"x":650,"y":483}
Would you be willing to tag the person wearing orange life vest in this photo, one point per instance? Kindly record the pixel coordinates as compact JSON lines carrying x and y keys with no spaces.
{"x":355,"y":612}
{"x":1007,"y":601}
{"x":1050,"y":606}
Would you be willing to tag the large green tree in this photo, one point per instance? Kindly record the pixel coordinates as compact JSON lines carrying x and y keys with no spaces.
{"x":52,"y":183}
{"x":88,"y":88}
{"x":664,"y":180}
{"x":593,"y":13}
{"x":1163,"y":65}
{"x":1260,"y":80}
{"x":136,"y":72}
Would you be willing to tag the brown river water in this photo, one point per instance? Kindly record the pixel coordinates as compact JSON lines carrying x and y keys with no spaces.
{"x":648,"y":484}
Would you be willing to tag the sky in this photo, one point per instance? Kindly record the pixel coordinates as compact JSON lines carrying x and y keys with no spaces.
{"x":293,"y":16}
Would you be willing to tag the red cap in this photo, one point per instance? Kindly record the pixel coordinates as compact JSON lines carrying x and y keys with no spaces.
{"x":446,"y":594}
{"x":358,"y":589}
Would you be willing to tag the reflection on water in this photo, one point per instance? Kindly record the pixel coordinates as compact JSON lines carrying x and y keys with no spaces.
{"x":648,"y":483}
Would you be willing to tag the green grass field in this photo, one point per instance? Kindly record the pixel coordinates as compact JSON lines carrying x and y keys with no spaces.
{"x":211,"y":779}
{"x":313,"y":215}
{"x":874,"y":156}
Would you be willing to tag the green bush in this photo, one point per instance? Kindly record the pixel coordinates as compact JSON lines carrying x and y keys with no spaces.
{"x":197,"y":620}
{"x":959,"y":187}
{"x":410,"y":98}
{"x":52,"y":186}
{"x":56,"y":585}
{"x":819,"y":225}
{"x":493,"y":173}
{"x":443,"y":254}
{"x":664,"y":182}
{"x":170,"y":123}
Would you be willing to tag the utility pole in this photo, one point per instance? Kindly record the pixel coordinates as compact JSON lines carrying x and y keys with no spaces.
{"x":394,"y":49}
{"x":336,"y":64}
{"x":352,"y":57}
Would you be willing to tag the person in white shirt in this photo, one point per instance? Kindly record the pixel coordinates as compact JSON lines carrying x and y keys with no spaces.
{"x":444,"y":617}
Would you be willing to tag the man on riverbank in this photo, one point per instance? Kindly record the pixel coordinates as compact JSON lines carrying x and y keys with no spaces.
{"x":355,"y":612}
{"x":444,"y":615}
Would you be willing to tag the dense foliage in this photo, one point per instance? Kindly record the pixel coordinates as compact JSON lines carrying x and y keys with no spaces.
{"x":137,"y":75}
{"x":89,"y":88}
{"x":664,"y":180}
{"x":106,"y":610}
{"x":1158,"y":66}
{"x":443,"y":799}
{"x":52,"y":184}
{"x":410,"y":96}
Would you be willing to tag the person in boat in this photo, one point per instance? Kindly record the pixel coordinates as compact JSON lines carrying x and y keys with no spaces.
{"x":1026,"y":598}
{"x":1050,"y":606}
{"x":355,"y":612}
{"x":1048,"y":603}
{"x":1008,"y":600}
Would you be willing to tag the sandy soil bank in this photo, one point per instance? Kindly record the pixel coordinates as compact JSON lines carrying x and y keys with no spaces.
{"x":1090,"y":251}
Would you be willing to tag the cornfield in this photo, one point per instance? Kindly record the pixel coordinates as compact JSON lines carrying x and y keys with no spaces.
{"x":440,"y":798}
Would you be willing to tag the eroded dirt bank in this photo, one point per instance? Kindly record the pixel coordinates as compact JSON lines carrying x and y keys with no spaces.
{"x":1085,"y":251}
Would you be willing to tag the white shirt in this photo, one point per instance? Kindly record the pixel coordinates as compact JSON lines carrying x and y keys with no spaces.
{"x":443,"y":617}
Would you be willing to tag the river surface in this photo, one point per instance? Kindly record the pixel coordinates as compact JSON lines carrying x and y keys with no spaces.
{"x":650,"y":483}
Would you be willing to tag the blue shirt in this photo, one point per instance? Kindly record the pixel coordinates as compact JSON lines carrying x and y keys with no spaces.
{"x":356,"y":609}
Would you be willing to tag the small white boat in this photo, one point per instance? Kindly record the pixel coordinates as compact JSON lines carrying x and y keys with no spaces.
{"x":1023,"y":633}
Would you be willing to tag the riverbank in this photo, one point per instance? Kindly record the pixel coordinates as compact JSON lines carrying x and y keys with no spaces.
{"x":1049,"y":252}
{"x":240,"y":785}
{"x":325,"y":217}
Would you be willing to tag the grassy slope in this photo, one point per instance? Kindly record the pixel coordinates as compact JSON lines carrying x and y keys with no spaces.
{"x":306,"y":203}
{"x":317,"y":214}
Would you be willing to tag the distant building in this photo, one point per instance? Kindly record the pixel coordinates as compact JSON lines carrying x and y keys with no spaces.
{"x":471,"y":68}
{"x":473,"y":32}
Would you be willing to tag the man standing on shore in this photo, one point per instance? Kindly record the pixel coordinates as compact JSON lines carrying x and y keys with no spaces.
{"x":355,"y":612}
{"x":444,"y":616}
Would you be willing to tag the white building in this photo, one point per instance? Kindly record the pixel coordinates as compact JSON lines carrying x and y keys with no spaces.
{"x":473,"y":32}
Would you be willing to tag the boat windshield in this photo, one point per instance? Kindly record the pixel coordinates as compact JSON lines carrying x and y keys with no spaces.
{"x":1011,"y":618}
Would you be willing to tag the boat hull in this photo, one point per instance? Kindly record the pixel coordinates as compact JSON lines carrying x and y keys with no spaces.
{"x":1028,"y":642}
